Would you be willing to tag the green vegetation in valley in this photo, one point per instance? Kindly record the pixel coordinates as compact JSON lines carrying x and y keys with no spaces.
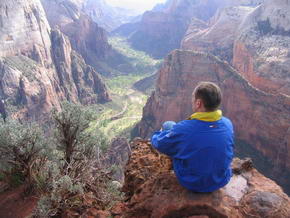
{"x":139,"y":62}
{"x":117,"y":118}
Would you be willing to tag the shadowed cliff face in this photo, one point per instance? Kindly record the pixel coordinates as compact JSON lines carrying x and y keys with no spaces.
{"x":261,"y":51}
{"x":38,"y":68}
{"x":86,"y":37}
{"x":260,"y":119}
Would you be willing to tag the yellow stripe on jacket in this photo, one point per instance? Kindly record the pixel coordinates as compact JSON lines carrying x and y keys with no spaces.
{"x":207,"y":116}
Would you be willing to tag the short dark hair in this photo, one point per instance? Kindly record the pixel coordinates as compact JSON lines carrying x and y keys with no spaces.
{"x":210,"y":94}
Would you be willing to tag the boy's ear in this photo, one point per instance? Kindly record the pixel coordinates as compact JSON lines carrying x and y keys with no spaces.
{"x":198,"y":103}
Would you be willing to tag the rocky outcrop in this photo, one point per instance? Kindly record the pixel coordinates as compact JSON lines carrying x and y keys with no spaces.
{"x":24,"y":30}
{"x":261,"y":51}
{"x":260,"y":119}
{"x":217,"y":36}
{"x":153,"y":191}
{"x":37,"y":75}
{"x":117,"y":157}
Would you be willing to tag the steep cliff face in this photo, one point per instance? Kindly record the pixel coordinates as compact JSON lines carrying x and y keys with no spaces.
{"x":217,"y":36}
{"x":80,"y":82}
{"x":153,"y":191}
{"x":27,"y":89}
{"x":24,"y":30}
{"x":261,"y":51}
{"x":260,"y":119}
{"x":36,"y":76}
{"x":86,"y":37}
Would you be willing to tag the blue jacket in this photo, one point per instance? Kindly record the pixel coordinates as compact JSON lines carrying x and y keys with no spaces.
{"x":201,"y":151}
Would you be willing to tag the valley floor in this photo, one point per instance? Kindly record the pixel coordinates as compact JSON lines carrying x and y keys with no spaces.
{"x":118,"y":118}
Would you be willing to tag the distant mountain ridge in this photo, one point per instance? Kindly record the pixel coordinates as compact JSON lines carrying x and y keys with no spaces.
{"x":107,"y":16}
{"x":162,"y":29}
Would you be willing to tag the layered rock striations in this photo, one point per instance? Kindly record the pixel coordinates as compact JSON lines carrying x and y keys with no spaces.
{"x":261,"y":50}
{"x":38,"y":75}
{"x":260,"y":119}
{"x":153,"y":191}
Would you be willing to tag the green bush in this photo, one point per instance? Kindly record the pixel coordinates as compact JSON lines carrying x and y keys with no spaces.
{"x":21,"y":152}
{"x":76,"y":173}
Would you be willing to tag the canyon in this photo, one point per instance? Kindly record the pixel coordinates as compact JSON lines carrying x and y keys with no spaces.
{"x":53,"y":51}
{"x":162,"y":29}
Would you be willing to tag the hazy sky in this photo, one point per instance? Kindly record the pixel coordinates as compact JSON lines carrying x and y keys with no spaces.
{"x":140,"y":5}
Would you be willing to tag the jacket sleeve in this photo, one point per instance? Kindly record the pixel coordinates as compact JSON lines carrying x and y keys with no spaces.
{"x":167,"y":142}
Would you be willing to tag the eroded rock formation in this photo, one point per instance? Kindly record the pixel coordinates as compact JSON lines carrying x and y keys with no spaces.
{"x":260,"y":119}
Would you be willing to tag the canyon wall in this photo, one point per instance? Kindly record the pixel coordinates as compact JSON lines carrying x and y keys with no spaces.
{"x":85,"y":36}
{"x":39,"y":69}
{"x":254,"y":39}
{"x":24,"y":30}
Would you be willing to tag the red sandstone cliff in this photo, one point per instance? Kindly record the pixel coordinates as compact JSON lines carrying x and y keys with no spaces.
{"x":254,"y":39}
{"x":40,"y":71}
{"x":24,"y":30}
{"x":86,"y":37}
{"x":260,"y":119}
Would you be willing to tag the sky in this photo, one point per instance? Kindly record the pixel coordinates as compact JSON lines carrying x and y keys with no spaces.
{"x":138,"y":5}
